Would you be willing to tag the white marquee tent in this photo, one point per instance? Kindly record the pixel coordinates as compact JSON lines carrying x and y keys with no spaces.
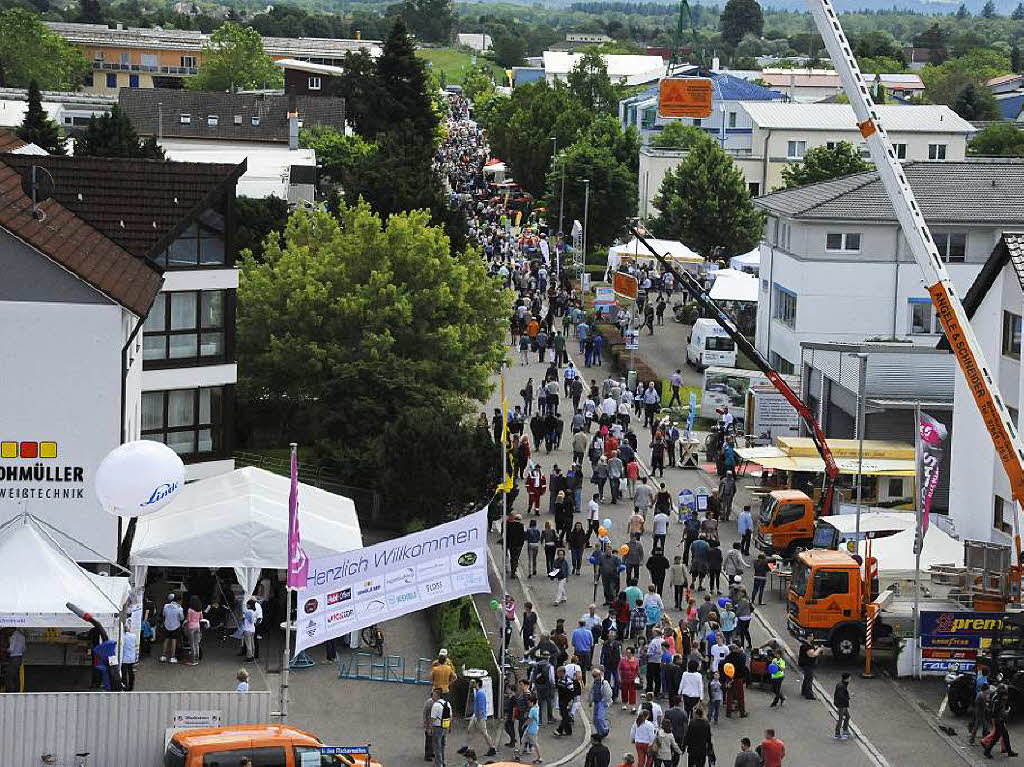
{"x":634,"y":249}
{"x":895,"y":553}
{"x":747,"y":262}
{"x":731,"y":285}
{"x":240,"y":520}
{"x":37,"y":579}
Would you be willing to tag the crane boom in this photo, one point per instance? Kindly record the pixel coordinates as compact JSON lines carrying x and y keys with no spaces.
{"x":950,"y":310}
{"x":726,"y":323}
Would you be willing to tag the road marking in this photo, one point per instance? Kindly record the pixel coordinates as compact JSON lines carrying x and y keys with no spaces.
{"x":942,"y":706}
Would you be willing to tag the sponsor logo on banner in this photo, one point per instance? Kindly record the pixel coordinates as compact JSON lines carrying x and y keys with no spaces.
{"x":399,"y":599}
{"x":338,"y":597}
{"x":399,"y":580}
{"x":311,"y":606}
{"x":340,"y":616}
{"x":368,"y":587}
{"x":469,"y":580}
{"x":160,"y":492}
{"x":312,"y":629}
{"x":372,"y":607}
{"x":467,"y":559}
{"x":432,"y":569}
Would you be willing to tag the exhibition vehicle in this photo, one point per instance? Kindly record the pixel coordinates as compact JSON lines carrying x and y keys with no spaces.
{"x":268,"y":744}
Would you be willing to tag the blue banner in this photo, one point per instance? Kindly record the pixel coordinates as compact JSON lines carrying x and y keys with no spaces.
{"x":692,"y":415}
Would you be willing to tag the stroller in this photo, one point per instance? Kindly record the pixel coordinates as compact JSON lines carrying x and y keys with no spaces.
{"x":760,"y":659}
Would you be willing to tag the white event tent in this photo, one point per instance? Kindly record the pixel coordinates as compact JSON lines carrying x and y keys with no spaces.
{"x":38,"y":579}
{"x":240,"y":520}
{"x":895,"y":553}
{"x":731,"y":285}
{"x":747,"y":262}
{"x":635,"y":250}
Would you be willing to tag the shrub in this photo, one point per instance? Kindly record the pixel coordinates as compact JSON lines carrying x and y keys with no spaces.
{"x":457,"y":629}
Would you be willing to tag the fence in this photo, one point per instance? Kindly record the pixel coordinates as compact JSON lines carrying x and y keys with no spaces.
{"x":369,"y":508}
{"x":127,"y":728}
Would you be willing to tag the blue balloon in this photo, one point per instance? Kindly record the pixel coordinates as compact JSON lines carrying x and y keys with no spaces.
{"x":622,"y":568}
{"x":773,"y":668}
{"x":723,"y":601}
{"x":607,"y":524}
{"x":593,"y":559}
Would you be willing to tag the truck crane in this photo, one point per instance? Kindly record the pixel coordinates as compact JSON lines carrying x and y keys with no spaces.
{"x":950,"y":310}
{"x":729,"y":326}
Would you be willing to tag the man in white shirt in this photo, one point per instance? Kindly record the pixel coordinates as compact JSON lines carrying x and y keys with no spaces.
{"x":173,"y":618}
{"x":259,"y":620}
{"x":718,"y":651}
{"x":15,"y":654}
{"x":660,"y":529}
{"x":676,"y":380}
{"x":590,"y":618}
{"x":609,"y":407}
{"x":593,"y":518}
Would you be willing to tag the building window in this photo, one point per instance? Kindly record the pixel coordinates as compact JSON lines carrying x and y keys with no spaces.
{"x":125,"y":59}
{"x":133,"y":81}
{"x":111,"y":80}
{"x":936,"y":151}
{"x":900,"y":150}
{"x":202,"y":244}
{"x":185,"y":119}
{"x":149,"y":61}
{"x":923,"y":321}
{"x":895,"y":487}
{"x":784,"y":306}
{"x":314,"y":83}
{"x":732,"y":120}
{"x":1011,"y":335}
{"x":848,"y":242}
{"x":754,"y":188}
{"x":88,"y":80}
{"x":781,"y":364}
{"x":188,"y":62}
{"x":255,"y":120}
{"x":952,"y":246}
{"x":211,"y":120}
{"x":238,"y":119}
{"x":795,"y":150}
{"x":186,"y":325}
{"x":999,"y":516}
{"x":97,"y":56}
{"x":697,"y":122}
{"x":189,"y":421}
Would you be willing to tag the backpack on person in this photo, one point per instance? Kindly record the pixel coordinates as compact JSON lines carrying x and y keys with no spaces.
{"x":542,"y":675}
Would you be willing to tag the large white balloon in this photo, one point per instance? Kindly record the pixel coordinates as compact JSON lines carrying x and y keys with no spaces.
{"x":138,"y":478}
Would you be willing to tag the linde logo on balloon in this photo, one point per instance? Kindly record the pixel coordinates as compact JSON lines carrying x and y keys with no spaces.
{"x":160,"y":492}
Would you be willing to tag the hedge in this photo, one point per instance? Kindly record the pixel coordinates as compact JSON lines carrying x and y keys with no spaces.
{"x":457,"y":629}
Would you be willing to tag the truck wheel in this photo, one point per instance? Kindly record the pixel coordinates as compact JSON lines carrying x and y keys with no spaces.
{"x":846,"y":645}
{"x":960,"y":694}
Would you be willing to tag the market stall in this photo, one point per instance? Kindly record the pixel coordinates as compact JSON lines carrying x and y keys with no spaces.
{"x":634,"y":250}
{"x":37,"y":580}
{"x":749,"y":263}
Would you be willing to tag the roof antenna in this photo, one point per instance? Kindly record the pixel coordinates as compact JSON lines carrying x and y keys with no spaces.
{"x":37,"y":185}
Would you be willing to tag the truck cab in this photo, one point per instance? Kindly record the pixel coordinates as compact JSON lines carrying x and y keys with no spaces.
{"x":826,"y":601}
{"x":709,"y":345}
{"x":786,"y":523}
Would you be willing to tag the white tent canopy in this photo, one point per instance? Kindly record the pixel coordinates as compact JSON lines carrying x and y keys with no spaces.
{"x":634,"y":249}
{"x":895,"y":553}
{"x":240,"y":520}
{"x":731,"y":285}
{"x":37,"y":579}
{"x":747,"y":262}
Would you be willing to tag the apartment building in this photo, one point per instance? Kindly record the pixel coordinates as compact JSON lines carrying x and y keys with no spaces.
{"x":129,"y":57}
{"x":836,"y":267}
{"x":774,"y":134}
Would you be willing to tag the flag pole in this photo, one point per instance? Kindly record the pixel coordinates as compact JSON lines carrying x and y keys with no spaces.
{"x":285,"y":661}
{"x":919,"y":538}
{"x":504,"y":544}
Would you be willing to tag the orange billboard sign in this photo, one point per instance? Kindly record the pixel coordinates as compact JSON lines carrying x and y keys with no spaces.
{"x":685,"y":97}
{"x":625,"y":285}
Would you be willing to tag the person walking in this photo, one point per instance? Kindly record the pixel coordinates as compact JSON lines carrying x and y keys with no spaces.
{"x":841,"y":700}
{"x":515,"y":537}
{"x":654,"y":663}
{"x":745,"y":529}
{"x":807,"y":660}
{"x":532,"y":536}
{"x":531,"y":731}
{"x":633,"y":559}
{"x":715,"y":560}
{"x":659,"y":528}
{"x":583,"y":644}
{"x":699,"y":745}
{"x":675,"y":381}
{"x":577,"y":540}
{"x":428,"y":729}
{"x":760,"y":578}
{"x":771,"y":749}
{"x":600,"y":700}
{"x":744,"y":614}
{"x":981,"y":706}
{"x":665,"y":749}
{"x":440,"y":724}
{"x":549,"y":539}
{"x":726,"y":493}
{"x":173,"y":618}
{"x":598,"y":754}
{"x":677,"y":580}
{"x":629,"y":671}
{"x":999,"y":713}
{"x":536,"y":486}
{"x":777,"y":676}
{"x":560,"y":569}
{"x":657,"y":566}
{"x":691,"y":686}
{"x":478,"y":719}
{"x":734,"y":692}
{"x":746,"y":757}
{"x":642,"y":734}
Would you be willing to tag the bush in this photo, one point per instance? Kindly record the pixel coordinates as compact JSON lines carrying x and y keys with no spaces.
{"x":615,"y":350}
{"x":457,"y":629}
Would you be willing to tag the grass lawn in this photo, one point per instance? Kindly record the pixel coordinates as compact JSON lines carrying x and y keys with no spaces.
{"x":455,"y":62}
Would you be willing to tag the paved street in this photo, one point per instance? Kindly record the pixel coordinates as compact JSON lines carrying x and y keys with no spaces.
{"x":891,"y":730}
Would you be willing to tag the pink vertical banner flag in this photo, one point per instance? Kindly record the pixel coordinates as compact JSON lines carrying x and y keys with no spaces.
{"x":931,"y":435}
{"x":298,"y":562}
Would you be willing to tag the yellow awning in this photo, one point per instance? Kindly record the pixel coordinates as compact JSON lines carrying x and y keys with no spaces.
{"x":774,"y":458}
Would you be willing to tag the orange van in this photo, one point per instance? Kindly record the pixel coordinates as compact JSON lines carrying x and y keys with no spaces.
{"x":264,"y":745}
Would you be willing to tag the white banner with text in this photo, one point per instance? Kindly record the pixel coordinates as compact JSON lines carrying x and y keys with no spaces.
{"x":348,"y":592}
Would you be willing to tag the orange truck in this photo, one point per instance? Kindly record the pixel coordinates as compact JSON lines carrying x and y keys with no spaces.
{"x":786,"y":523}
{"x":263,"y":744}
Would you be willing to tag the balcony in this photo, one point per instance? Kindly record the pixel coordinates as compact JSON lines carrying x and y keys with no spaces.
{"x":179,"y":70}
{"x":108,"y":66}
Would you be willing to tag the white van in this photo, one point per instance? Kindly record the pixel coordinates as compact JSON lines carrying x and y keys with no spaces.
{"x":709,"y":344}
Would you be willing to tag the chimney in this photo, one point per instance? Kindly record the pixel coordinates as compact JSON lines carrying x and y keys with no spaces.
{"x":715,"y":64}
{"x":293,"y":121}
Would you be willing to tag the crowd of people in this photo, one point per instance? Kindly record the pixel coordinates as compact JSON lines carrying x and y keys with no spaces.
{"x":676,"y":675}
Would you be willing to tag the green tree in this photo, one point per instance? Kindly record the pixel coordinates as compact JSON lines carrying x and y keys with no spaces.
{"x":999,"y":140}
{"x":989,"y":10}
{"x":30,"y":51}
{"x":823,"y":163}
{"x":612,"y":191}
{"x":352,"y":324}
{"x":975,"y":103}
{"x":363,"y":92}
{"x":235,"y":59}
{"x":113,"y":135}
{"x":37,"y":127}
{"x":430,"y":20}
{"x":879,"y":65}
{"x":606,"y":131}
{"x":477,"y":81}
{"x":740,"y":17}
{"x":255,"y":219}
{"x":1016,"y":60}
{"x":1018,"y":12}
{"x":509,"y":50}
{"x":590,"y":84}
{"x":962,"y":13}
{"x":404,"y":82}
{"x":90,"y":12}
{"x":944,"y":82}
{"x":704,"y":202}
{"x":676,"y":135}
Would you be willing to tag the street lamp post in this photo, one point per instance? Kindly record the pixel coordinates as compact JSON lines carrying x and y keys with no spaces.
{"x":561,"y":193}
{"x":586,"y":215}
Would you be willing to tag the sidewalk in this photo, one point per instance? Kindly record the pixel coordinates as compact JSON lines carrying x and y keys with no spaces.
{"x":805,"y":726}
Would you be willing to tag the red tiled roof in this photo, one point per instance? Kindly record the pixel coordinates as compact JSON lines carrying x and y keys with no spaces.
{"x":139,"y":204}
{"x":78,"y":247}
{"x":9,"y":140}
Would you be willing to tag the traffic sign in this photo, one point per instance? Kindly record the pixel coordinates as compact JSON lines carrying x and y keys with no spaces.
{"x":345,"y":750}
{"x":685,"y":97}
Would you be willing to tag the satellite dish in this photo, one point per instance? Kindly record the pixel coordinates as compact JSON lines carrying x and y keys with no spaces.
{"x":37,"y":184}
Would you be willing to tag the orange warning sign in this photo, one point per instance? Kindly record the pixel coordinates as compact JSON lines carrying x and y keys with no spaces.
{"x":685,"y":97}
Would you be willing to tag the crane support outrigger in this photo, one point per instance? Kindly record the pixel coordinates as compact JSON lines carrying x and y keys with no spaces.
{"x":726,"y":323}
{"x":950,"y":310}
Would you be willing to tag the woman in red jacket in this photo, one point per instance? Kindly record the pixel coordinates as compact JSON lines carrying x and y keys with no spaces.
{"x":536,"y":486}
{"x":629,"y":670}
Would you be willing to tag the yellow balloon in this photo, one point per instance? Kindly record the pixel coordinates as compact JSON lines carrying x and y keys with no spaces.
{"x":624,"y":549}
{"x":728,"y":669}
{"x":602,"y":531}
